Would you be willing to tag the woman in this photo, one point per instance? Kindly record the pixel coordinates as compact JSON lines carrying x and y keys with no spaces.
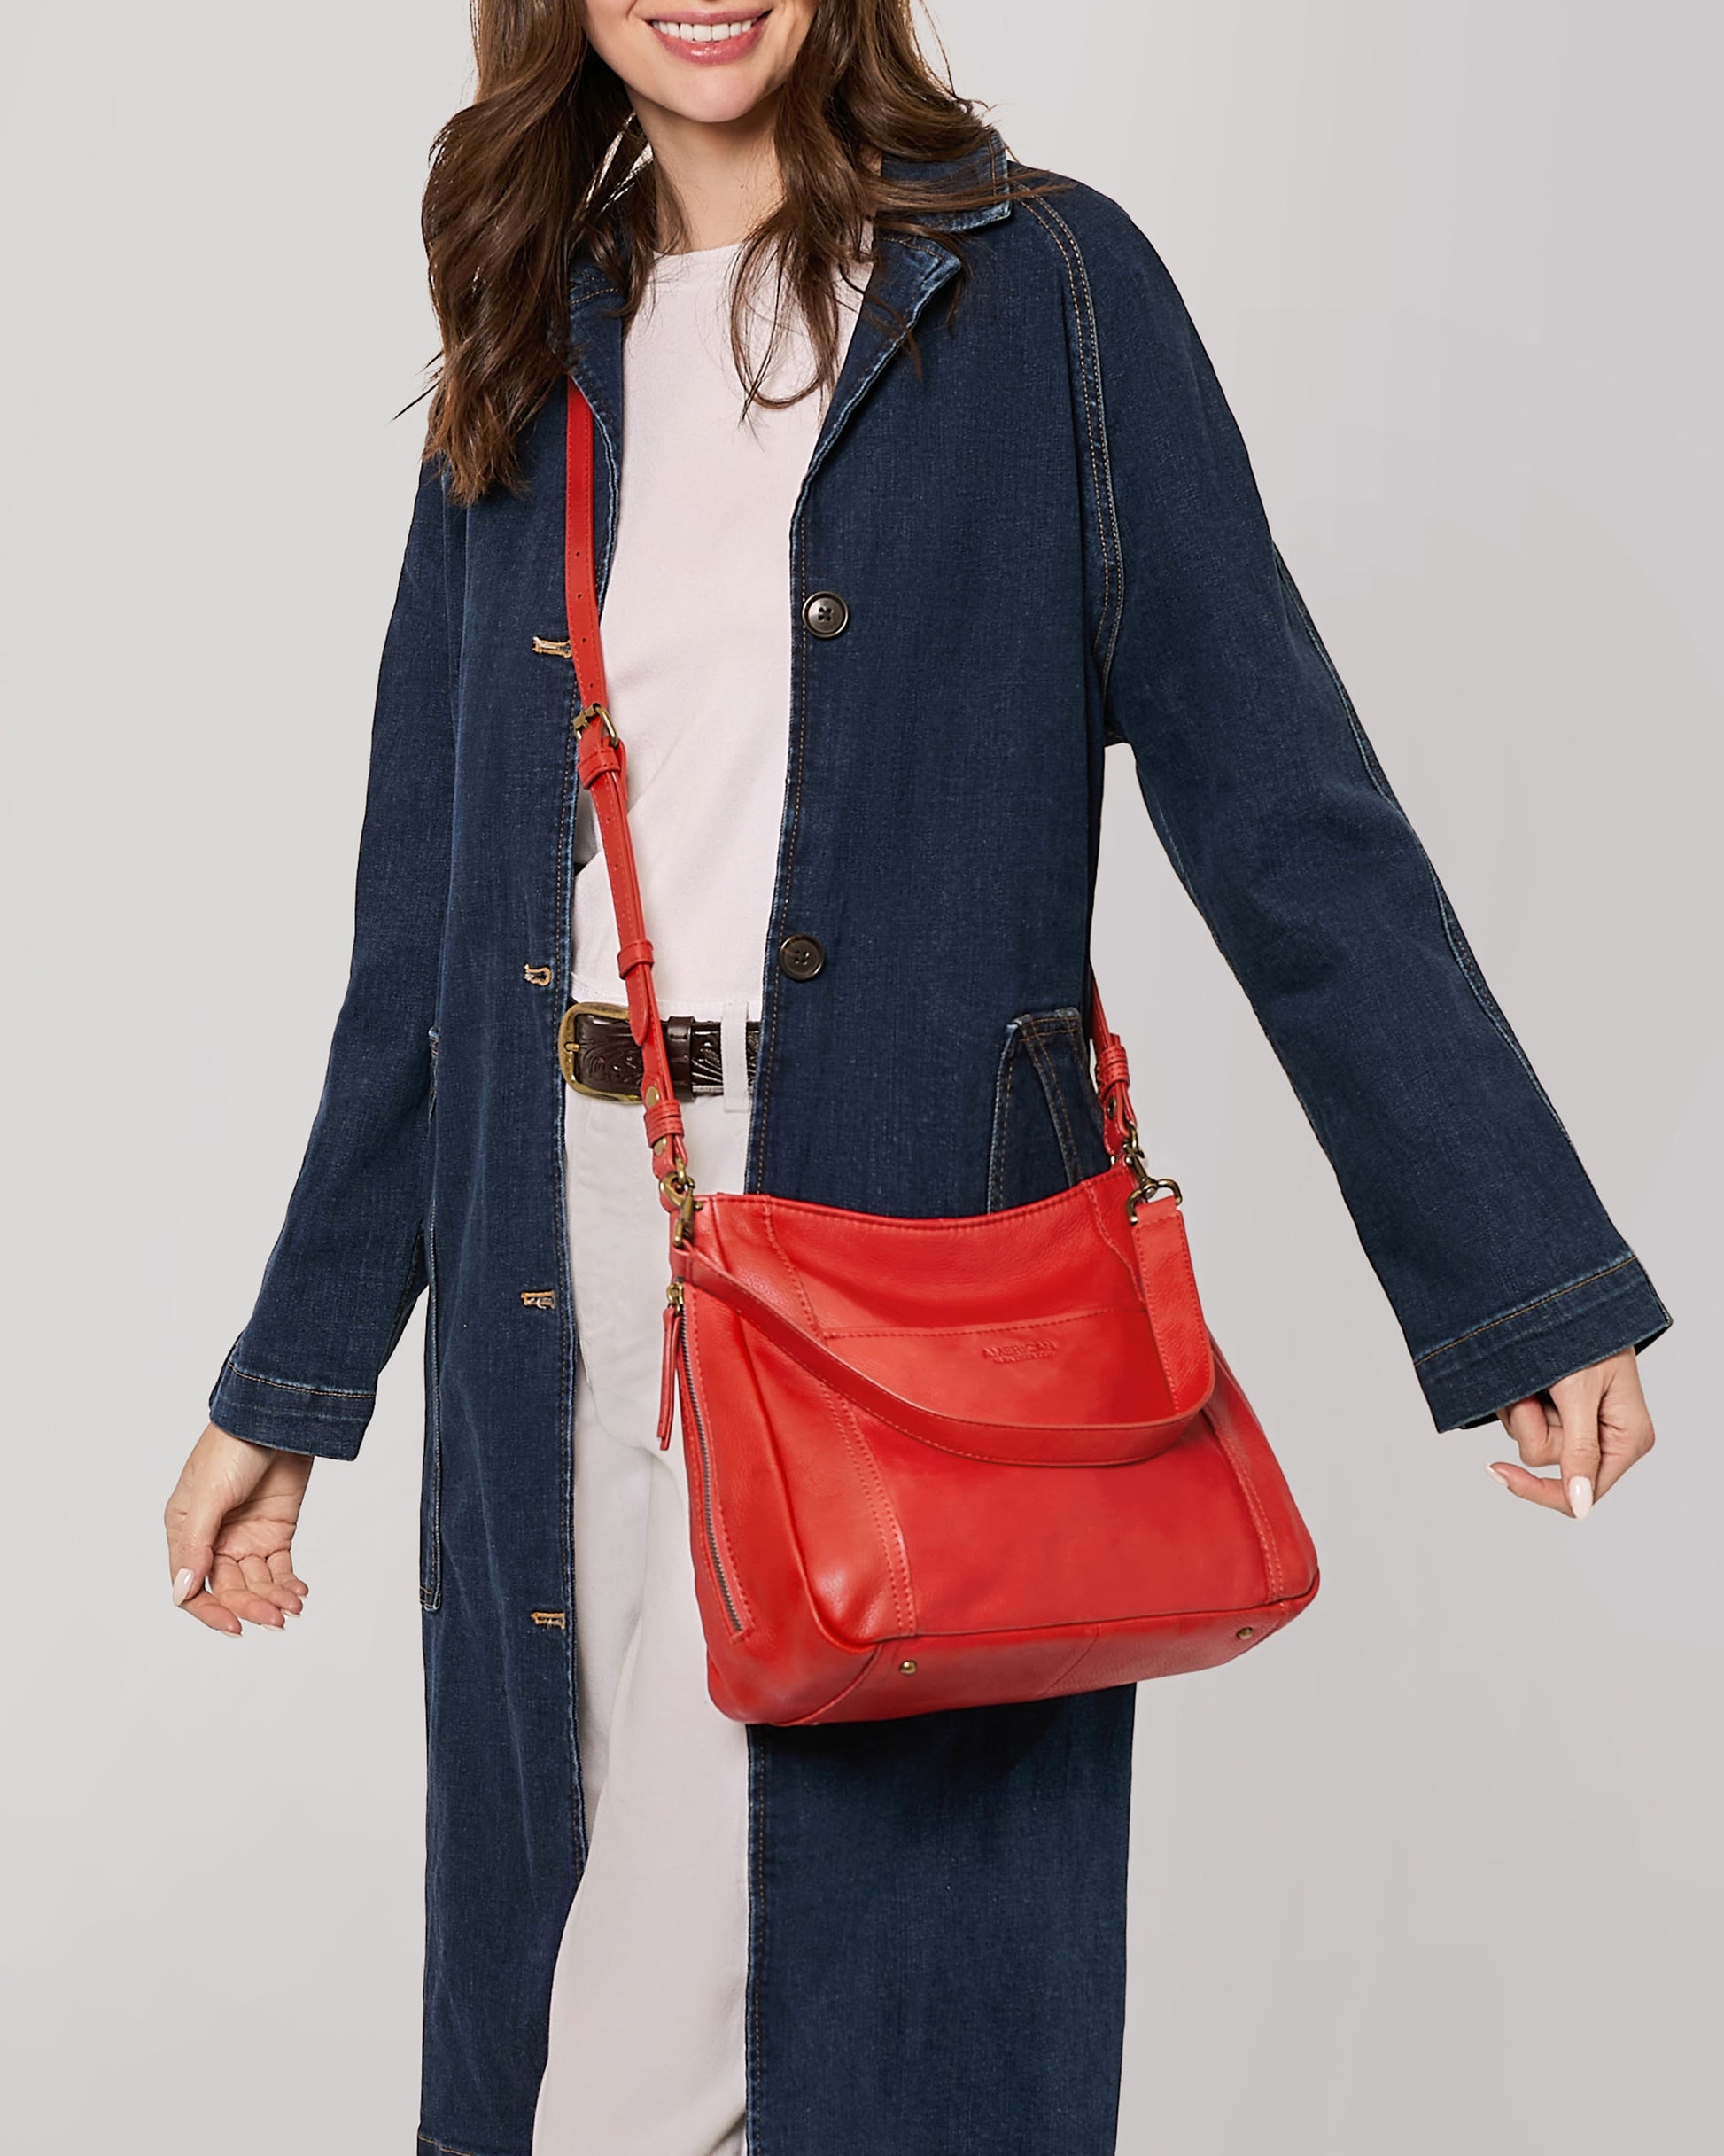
{"x":1016,"y":522}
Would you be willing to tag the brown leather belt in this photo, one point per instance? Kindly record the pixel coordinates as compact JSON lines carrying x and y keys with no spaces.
{"x":599,"y":1055}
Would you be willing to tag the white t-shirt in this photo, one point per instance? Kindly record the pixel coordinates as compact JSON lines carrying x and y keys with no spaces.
{"x":697,"y":626}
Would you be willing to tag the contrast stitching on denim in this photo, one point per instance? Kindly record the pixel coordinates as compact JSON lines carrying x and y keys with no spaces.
{"x":765,"y":1063}
{"x":1525,"y":1310}
{"x":1085,"y":359}
{"x":1065,"y":1020}
{"x":616,"y":478}
{"x":1002,"y":1117}
{"x":608,"y":428}
{"x":1452,"y":936}
{"x":1092,"y":1097}
{"x":942,"y":262}
{"x":1056,"y":1106}
{"x":285,"y":1384}
{"x":1047,"y":222}
{"x":568,"y":1345}
{"x":1064,"y":1024}
{"x":409,"y":1284}
{"x":443,"y":2148}
{"x":1109,"y":530}
{"x":985,"y":212}
{"x":754,"y":1975}
{"x":430,"y":1555}
{"x":452,"y":626}
{"x":1101,"y":478}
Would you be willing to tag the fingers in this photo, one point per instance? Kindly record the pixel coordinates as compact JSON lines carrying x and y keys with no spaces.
{"x":193,"y":1518}
{"x":1624,"y":1424}
{"x":280,"y":1570}
{"x":285,"y":1588}
{"x":1591,"y":1426}
{"x":233,"y":1584}
{"x":1577,"y":1399}
{"x":229,"y":1558}
{"x":1544,"y":1489}
{"x":259,"y":1572}
{"x":1536,"y":1431}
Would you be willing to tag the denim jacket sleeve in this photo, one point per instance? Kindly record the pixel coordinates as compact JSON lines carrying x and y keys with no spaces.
{"x":1501,"y":1264}
{"x":349,"y":1262}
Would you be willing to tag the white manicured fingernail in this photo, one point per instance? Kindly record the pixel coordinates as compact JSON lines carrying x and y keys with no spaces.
{"x":182,"y":1586}
{"x":1580,"y":1496}
{"x":1496,"y":1475}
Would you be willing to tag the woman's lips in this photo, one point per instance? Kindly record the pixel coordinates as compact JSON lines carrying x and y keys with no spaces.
{"x":707,"y":52}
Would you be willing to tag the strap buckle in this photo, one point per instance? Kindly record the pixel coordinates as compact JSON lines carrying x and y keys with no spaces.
{"x":568,"y":1051}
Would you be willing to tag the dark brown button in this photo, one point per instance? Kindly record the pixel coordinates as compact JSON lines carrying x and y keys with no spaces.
{"x":826,"y":613}
{"x":801,"y":957}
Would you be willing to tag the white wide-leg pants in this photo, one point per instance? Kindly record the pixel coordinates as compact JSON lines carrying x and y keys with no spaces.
{"x":646,"y":2038}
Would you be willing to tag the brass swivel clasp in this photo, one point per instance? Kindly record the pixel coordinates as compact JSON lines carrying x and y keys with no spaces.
{"x":1149,"y":1185}
{"x":680,"y":1186}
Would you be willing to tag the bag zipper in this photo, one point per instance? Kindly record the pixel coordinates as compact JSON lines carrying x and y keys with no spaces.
{"x":675,"y":1360}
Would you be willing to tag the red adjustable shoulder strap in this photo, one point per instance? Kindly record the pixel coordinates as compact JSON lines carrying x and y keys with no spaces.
{"x":603,"y":767}
{"x":1113,"y":1077}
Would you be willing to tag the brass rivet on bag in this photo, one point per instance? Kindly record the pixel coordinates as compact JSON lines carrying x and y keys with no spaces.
{"x":1245,"y":1631}
{"x":906,"y":1669}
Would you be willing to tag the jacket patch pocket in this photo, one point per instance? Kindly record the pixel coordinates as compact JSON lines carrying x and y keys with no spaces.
{"x":1047,"y":1132}
{"x":430,"y":1487}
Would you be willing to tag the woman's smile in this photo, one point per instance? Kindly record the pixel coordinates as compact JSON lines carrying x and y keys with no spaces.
{"x":709,"y":41}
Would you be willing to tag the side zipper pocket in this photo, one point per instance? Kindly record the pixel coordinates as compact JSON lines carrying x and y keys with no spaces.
{"x":678,"y":1370}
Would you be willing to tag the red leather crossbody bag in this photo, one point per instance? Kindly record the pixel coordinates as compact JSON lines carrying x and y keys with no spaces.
{"x":938,"y":1463}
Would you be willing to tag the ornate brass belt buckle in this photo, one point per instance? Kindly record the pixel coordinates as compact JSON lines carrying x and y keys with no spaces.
{"x":568,"y":1048}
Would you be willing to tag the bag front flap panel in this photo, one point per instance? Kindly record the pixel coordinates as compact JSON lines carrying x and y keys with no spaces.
{"x":1031,"y":1323}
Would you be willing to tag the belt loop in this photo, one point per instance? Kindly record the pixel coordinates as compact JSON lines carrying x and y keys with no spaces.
{"x":734,"y":1056}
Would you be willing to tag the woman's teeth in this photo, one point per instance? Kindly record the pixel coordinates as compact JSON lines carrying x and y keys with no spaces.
{"x":705,"y":32}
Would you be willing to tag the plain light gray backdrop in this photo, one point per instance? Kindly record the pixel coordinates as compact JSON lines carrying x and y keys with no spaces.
{"x":1437,"y":1872}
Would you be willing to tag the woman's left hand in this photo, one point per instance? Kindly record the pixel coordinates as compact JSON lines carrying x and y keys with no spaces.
{"x":1591,"y":1427}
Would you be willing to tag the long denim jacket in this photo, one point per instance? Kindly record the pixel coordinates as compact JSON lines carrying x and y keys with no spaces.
{"x":1048,"y":536}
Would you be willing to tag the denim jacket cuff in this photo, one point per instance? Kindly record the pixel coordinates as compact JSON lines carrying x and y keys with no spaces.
{"x":289,"y":1416}
{"x":1525,"y":1350}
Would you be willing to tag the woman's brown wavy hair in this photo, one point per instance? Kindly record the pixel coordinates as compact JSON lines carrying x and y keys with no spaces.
{"x":549,"y":157}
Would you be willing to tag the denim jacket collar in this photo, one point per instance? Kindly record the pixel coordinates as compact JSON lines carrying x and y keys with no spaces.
{"x":909,"y":271}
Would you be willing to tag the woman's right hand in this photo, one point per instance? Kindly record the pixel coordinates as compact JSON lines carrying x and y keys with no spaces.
{"x":230,"y":1523}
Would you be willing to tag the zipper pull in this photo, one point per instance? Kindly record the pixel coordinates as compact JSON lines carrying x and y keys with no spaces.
{"x":667,"y":1369}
